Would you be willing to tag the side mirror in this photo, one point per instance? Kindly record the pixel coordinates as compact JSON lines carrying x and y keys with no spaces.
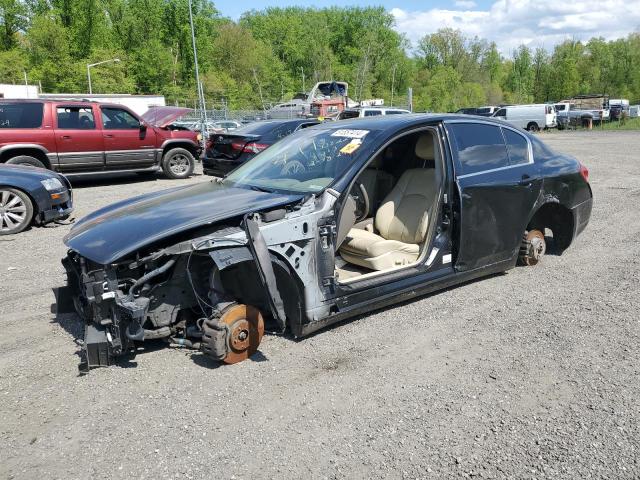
{"x":143,"y":127}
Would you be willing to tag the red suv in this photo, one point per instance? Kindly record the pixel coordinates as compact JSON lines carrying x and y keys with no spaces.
{"x":88,"y":137}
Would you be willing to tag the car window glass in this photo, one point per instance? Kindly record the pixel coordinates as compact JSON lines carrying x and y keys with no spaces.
{"x":349,"y":114}
{"x":479,"y":147}
{"x":395,"y":112}
{"x":517,"y":147}
{"x":283,"y":131}
{"x":501,"y":113}
{"x":118,"y":119}
{"x":372,"y":113}
{"x":77,"y":118}
{"x":20,"y":115}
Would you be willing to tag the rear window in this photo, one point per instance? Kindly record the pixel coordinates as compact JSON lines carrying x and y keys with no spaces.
{"x":349,"y":114}
{"x":478,"y":147}
{"x":257,"y":128}
{"x":372,"y":113}
{"x":20,"y":115}
{"x":517,"y":147}
{"x":395,"y":112}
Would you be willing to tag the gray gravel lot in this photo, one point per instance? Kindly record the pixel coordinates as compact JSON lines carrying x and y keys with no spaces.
{"x":531,"y":374}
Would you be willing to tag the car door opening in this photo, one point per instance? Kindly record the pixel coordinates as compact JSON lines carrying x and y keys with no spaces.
{"x":398,"y":191}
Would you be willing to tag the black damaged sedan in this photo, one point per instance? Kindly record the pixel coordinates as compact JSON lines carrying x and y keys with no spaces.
{"x":332,"y":221}
{"x":32,"y":195}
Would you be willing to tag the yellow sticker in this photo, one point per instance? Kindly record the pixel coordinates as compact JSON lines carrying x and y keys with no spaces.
{"x":351,"y":147}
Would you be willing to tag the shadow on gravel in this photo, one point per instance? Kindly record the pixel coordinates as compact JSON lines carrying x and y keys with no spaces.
{"x":207,"y":362}
{"x":106,"y":179}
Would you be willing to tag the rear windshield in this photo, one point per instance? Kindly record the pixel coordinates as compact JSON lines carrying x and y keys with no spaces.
{"x":20,"y":115}
{"x":349,"y":114}
{"x":257,"y":128}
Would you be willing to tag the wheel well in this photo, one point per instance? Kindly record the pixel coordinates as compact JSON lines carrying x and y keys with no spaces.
{"x":242,"y":282}
{"x":32,"y":152}
{"x":186,"y":145}
{"x":558,"y":219}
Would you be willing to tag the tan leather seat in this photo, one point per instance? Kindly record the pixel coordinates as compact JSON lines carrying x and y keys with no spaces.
{"x":401,"y":221}
{"x":376,"y":182}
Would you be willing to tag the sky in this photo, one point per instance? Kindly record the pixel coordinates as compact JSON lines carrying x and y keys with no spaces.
{"x":510,"y":23}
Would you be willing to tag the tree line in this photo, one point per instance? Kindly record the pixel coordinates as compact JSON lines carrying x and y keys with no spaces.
{"x":268,"y":55}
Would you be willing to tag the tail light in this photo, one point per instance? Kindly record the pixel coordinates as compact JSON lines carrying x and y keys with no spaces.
{"x":251,"y":147}
{"x":584,"y":171}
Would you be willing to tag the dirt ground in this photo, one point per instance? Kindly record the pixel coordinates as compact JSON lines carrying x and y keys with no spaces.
{"x":531,"y":374}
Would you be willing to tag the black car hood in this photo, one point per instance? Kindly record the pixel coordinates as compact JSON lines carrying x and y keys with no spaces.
{"x":124,"y":227}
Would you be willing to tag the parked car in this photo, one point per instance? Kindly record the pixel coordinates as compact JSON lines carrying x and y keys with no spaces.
{"x":332,"y":222}
{"x":487,"y":111}
{"x":32,"y":195}
{"x":225,"y":126}
{"x":569,"y":114}
{"x":91,"y":137}
{"x":360,"y":112}
{"x":534,"y":117}
{"x":224,"y":152}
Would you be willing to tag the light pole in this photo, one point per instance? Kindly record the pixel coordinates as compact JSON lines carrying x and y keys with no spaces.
{"x":89,"y":65}
{"x":203,"y":111}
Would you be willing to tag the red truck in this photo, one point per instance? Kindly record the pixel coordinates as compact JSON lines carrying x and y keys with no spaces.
{"x":89,"y":137}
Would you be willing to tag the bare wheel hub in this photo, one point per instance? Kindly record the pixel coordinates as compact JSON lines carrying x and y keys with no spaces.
{"x":533,"y":247}
{"x":246,"y":328}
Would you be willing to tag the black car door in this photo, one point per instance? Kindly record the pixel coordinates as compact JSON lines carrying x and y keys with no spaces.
{"x":498,"y":185}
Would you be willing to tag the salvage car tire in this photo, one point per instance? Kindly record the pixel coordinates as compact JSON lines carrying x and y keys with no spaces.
{"x":16,"y":211}
{"x":533,"y":127}
{"x":178,"y":163}
{"x":27,"y":161}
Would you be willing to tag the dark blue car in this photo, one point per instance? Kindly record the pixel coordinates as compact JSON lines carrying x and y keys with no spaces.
{"x":224,"y":152}
{"x":32,"y":195}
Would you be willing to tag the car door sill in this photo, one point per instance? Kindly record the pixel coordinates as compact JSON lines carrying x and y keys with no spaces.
{"x":433,"y":281}
{"x":155,"y":168}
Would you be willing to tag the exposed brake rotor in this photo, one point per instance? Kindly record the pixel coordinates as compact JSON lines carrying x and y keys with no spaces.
{"x":246,"y":328}
{"x":533,"y":247}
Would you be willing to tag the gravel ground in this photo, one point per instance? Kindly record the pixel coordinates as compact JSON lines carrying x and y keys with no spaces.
{"x":531,"y":374}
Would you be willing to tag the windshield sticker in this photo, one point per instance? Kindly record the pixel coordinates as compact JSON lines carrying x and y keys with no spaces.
{"x":351,"y":147}
{"x":344,"y":132}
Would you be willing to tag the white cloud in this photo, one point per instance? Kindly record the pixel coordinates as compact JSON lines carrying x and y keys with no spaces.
{"x":511,"y":23}
{"x":466,"y":4}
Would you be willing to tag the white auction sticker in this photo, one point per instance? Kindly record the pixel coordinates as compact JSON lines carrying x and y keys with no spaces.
{"x":446,"y":258}
{"x":345,"y":132}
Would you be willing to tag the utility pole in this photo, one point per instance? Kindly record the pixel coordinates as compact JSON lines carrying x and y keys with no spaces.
{"x":203,"y":113}
{"x":393,"y":81}
{"x":303,"y":87}
{"x":255,"y":75}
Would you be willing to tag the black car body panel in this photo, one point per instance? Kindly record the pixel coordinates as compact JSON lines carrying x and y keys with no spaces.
{"x":158,"y":258}
{"x":225,"y":152}
{"x":28,"y":180}
{"x":119,"y":229}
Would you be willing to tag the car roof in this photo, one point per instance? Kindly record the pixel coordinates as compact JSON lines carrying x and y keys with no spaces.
{"x":59,"y":101}
{"x":393,"y":121}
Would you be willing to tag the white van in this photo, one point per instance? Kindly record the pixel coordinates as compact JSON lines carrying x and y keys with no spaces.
{"x":530,"y":117}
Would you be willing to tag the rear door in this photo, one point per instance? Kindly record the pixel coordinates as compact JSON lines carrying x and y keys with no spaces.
{"x":128,"y":143}
{"x":78,"y":138}
{"x":498,"y":184}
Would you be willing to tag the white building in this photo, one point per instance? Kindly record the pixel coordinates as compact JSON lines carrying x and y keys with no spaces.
{"x":18,"y":91}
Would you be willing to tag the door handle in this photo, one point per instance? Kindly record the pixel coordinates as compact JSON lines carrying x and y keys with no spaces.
{"x":66,"y":137}
{"x":108,"y":136}
{"x":525,"y":180}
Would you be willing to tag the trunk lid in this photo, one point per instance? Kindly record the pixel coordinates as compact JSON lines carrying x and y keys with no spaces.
{"x":228,"y":145}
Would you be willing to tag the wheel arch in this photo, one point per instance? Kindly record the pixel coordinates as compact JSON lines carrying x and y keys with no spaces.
{"x":189,"y":146}
{"x":35,"y":151}
{"x":556,"y":217}
{"x":289,"y":285}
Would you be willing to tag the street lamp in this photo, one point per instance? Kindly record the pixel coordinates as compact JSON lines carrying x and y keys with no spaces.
{"x":89,"y":65}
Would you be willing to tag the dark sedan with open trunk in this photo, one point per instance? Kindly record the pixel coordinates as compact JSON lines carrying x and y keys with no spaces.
{"x":331,"y":222}
{"x":225,"y":151}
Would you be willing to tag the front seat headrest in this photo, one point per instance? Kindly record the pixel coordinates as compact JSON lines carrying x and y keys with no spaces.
{"x":424,"y":147}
